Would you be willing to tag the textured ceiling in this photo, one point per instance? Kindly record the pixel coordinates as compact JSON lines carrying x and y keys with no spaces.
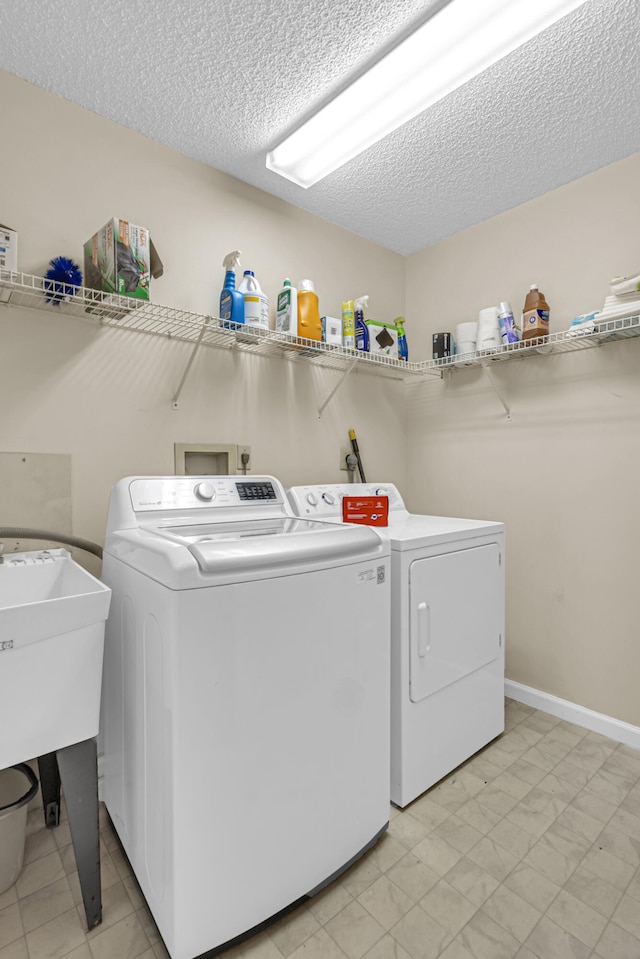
{"x":223,"y":82}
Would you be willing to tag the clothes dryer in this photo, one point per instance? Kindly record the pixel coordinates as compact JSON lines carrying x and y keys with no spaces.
{"x":245,"y":706}
{"x":447,"y":633}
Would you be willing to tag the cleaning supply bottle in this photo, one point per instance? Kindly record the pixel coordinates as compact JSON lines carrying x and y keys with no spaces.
{"x":348,"y":325}
{"x":403,"y":352}
{"x":362,"y":331}
{"x":287,"y":309}
{"x":309,"y":322}
{"x":231,"y":300}
{"x":535,"y":316}
{"x":256,"y":303}
{"x":508,"y":329}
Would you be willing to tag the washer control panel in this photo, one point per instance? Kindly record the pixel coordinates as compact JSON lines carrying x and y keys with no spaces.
{"x":325,"y":502}
{"x":256,"y":491}
{"x":155,"y":493}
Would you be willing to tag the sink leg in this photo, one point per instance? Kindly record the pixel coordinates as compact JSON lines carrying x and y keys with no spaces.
{"x":78,"y":766}
{"x":50,"y":789}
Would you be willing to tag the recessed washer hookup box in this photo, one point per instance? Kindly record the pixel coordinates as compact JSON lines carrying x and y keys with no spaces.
{"x":368,"y":510}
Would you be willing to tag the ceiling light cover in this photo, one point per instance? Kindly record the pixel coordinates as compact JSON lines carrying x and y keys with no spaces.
{"x":459,"y":42}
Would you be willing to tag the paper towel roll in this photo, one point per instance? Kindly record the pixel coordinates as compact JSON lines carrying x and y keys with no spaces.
{"x":466,"y":334}
{"x":488,"y":317}
{"x":488,"y":337}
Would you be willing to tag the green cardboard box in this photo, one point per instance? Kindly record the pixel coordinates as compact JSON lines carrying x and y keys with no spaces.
{"x":120,"y":258}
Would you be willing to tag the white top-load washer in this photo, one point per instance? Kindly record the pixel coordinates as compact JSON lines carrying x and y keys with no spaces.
{"x":447,"y":633}
{"x":245,"y":706}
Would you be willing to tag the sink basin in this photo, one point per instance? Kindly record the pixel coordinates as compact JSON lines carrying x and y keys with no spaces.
{"x":52,"y":616}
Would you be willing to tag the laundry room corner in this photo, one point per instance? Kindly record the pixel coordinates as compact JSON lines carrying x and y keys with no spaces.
{"x":545,"y":444}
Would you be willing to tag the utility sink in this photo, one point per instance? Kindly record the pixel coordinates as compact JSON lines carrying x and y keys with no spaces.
{"x":52,"y":618}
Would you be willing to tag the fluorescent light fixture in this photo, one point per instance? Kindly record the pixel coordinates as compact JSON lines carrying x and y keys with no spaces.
{"x":459,"y":42}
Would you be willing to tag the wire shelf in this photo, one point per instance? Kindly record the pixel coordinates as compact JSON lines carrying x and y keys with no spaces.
{"x":123,"y":312}
{"x":605,"y":331}
{"x":140,"y":316}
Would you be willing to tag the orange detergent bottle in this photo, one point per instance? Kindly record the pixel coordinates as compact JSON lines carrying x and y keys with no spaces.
{"x":309,"y":322}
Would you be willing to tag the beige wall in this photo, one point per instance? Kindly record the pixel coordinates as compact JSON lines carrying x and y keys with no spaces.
{"x":563,"y":472}
{"x":104,"y":395}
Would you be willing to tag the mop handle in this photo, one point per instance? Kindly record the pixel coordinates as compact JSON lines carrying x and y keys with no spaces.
{"x":354,"y":446}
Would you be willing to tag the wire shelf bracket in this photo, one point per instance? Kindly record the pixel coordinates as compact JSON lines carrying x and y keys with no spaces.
{"x":494,"y":386}
{"x":175,"y":405}
{"x":333,"y":392}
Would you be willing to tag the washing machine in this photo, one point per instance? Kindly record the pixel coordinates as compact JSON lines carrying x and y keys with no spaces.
{"x":447,"y":633}
{"x":244,"y":744}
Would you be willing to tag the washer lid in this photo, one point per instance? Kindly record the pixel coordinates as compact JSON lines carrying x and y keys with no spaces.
{"x":251,"y":545}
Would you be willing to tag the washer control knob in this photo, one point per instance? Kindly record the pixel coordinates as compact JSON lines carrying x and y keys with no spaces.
{"x":312,"y":499}
{"x":381,"y":491}
{"x":204,"y":491}
{"x":329,"y":498}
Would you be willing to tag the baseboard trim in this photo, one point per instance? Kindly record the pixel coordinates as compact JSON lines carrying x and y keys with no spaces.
{"x":572,"y":713}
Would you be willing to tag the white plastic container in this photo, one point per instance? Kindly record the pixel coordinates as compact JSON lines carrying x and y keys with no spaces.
{"x":8,"y":248}
{"x":331,"y":330}
{"x":256,"y":303}
{"x":18,"y":786}
{"x":621,"y":285}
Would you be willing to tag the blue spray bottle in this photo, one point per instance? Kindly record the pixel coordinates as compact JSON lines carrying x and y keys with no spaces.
{"x":403,"y":352}
{"x":231,"y":299}
{"x":362,"y":330}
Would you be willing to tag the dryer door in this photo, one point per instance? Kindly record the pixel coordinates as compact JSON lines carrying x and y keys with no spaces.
{"x":456,"y":602}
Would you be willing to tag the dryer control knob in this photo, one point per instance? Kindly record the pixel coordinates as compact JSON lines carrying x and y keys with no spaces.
{"x":329,"y":498}
{"x":312,"y":499}
{"x":381,"y":491}
{"x":204,"y":491}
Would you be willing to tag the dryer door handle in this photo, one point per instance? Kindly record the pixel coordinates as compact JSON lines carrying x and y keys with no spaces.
{"x":424,"y":629}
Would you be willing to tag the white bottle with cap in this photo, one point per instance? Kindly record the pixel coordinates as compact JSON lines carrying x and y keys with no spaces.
{"x":256,"y":303}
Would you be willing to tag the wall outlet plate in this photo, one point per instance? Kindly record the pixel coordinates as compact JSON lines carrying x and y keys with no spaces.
{"x":240,"y":466}
{"x":344,"y":452}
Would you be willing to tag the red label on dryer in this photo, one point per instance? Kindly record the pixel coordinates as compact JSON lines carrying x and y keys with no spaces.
{"x":368,"y":510}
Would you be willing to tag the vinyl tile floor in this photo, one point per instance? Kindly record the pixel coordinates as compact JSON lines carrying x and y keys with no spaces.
{"x":530,"y":850}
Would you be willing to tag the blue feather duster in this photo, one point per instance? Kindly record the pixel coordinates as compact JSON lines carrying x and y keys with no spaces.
{"x":61,"y":279}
